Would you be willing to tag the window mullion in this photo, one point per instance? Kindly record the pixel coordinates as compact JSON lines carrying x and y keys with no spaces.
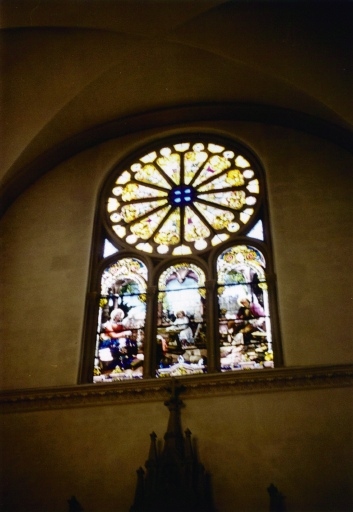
{"x":150,"y":333}
{"x":212,"y":327}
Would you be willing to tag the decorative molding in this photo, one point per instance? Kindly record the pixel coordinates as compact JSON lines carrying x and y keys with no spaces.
{"x":246,"y":381}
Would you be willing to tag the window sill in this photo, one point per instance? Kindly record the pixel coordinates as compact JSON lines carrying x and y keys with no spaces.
{"x":252,"y":381}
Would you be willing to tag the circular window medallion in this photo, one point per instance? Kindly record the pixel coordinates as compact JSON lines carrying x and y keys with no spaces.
{"x":183,"y":198}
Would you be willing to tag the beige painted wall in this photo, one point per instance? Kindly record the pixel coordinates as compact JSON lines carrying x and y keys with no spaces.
{"x":46,"y":245}
{"x":300,"y":440}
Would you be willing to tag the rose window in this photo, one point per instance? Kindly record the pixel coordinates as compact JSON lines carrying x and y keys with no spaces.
{"x":183,"y":198}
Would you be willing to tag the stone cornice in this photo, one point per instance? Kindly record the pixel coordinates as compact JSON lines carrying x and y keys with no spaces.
{"x":85,"y":395}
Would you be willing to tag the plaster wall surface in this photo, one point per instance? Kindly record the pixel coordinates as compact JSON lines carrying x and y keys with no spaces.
{"x":71,"y":66}
{"x":298,"y":440}
{"x":46,"y":240}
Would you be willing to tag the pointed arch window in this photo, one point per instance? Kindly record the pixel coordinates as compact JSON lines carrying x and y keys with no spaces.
{"x":181,"y":326}
{"x":182,"y":265}
{"x":119,"y":349}
{"x":244,"y":313}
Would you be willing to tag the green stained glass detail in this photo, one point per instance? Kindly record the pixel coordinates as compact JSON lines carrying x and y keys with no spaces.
{"x":183,"y":198}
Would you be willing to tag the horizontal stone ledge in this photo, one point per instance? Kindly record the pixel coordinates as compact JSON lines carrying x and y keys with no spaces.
{"x":201,"y":386}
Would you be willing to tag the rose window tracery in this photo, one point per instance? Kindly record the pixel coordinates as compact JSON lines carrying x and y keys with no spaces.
{"x":183,"y":198}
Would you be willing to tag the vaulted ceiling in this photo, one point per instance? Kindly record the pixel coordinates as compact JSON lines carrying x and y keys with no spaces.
{"x":72,"y":67}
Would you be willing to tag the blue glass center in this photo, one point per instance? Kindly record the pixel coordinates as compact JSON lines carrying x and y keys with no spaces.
{"x":181,"y":195}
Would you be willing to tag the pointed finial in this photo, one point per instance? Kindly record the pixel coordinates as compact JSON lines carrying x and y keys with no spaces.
{"x":276,"y":499}
{"x":175,"y":389}
{"x":74,"y":505}
{"x":153,"y":455}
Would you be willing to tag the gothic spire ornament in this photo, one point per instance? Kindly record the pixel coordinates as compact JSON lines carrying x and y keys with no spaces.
{"x":173,"y":480}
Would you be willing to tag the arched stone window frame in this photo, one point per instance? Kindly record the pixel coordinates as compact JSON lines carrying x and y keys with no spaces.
{"x":156,"y":263}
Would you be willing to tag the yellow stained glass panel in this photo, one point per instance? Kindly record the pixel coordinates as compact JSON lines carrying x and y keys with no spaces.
{"x":195,"y":229}
{"x":232,"y":178}
{"x":149,"y":174}
{"x":131,"y":212}
{"x":192,"y":162}
{"x":222,"y":237}
{"x":171,"y":166}
{"x":218,"y":218}
{"x":169,"y":232}
{"x":184,"y":197}
{"x":215,"y":165}
{"x":234,"y":200}
{"x":182,"y":147}
{"x":123,"y":178}
{"x":144,"y":247}
{"x":134,"y":191}
{"x":146,"y":227}
{"x":215,"y":148}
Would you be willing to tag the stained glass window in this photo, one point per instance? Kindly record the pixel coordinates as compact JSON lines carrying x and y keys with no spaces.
{"x":183,"y":198}
{"x":244,"y":317}
{"x":181,"y":329}
{"x":121,"y":320}
{"x":182,"y":265}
